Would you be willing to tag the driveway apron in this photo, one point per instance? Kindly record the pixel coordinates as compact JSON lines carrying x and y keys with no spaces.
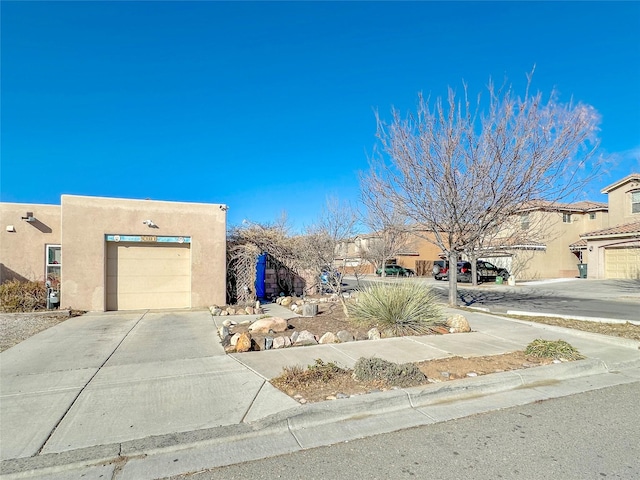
{"x":107,"y":378}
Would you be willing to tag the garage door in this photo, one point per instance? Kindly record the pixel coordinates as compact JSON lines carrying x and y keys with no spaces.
{"x":141,"y":276}
{"x":622,"y":262}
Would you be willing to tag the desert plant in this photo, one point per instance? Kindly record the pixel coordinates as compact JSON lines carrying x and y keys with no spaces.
{"x":295,"y":376}
{"x":397,"y":309}
{"x":17,"y":296}
{"x":377,"y":369}
{"x":556,"y":349}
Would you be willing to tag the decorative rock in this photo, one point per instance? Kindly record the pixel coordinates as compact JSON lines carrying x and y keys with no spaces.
{"x":472,"y":374}
{"x":250,"y":311}
{"x":305,"y":337}
{"x":299,"y":302}
{"x":223,"y":332}
{"x":224,"y":312}
{"x":228,"y":322}
{"x":445,"y":374}
{"x":279,"y":300}
{"x":310,"y":310}
{"x":216,"y":311}
{"x":345,"y":336}
{"x":270,"y":324}
{"x":373,"y":334}
{"x":328,"y":338}
{"x":331,"y":397}
{"x":230,"y":349}
{"x":245,"y":322}
{"x":259,"y":311}
{"x":231,"y":311}
{"x":286,"y":301}
{"x":279,"y":342}
{"x":257,"y":305}
{"x":341,"y":395}
{"x":268,"y":343}
{"x":234,"y":339}
{"x":294,"y":337}
{"x":458,"y":324}
{"x":287,"y":342}
{"x":244,"y":342}
{"x":295,"y":308}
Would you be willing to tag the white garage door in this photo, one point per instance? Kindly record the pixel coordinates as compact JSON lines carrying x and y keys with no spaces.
{"x":141,"y":276}
{"x":622,"y":262}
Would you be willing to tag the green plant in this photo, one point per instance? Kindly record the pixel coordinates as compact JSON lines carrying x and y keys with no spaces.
{"x":17,"y":296}
{"x":263,"y":316}
{"x":556,"y":349}
{"x":377,"y":369}
{"x":397,"y":309}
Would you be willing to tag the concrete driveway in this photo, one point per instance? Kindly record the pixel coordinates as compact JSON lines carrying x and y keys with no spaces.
{"x":105,"y":378}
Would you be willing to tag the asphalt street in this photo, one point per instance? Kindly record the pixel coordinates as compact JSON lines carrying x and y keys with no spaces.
{"x":590,"y":435}
{"x":613,"y":299}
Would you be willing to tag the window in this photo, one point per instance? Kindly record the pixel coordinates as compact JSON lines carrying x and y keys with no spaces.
{"x":54,"y":265}
{"x":635,"y":202}
{"x":524,"y":221}
{"x":592,"y":216}
{"x":566,"y":217}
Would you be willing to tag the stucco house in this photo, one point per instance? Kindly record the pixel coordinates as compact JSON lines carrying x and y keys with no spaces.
{"x":118,"y":254}
{"x":614,"y":251}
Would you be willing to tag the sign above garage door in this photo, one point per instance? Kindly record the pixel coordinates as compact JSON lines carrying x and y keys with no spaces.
{"x":147,"y":239}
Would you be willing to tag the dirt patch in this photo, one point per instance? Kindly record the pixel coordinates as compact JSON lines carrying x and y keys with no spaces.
{"x":342,"y":384}
{"x":623,"y":330}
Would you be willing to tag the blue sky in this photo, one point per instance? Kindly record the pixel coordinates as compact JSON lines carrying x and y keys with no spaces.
{"x":268,"y":106}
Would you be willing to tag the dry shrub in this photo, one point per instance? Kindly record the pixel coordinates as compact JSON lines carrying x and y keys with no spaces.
{"x":296,"y":377}
{"x":17,"y":296}
{"x":556,"y":349}
{"x":394,"y":374}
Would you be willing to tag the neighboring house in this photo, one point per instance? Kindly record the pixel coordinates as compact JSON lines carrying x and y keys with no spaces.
{"x":614,"y":251}
{"x":355,"y":254}
{"x":118,"y":254}
{"x":540,"y":242}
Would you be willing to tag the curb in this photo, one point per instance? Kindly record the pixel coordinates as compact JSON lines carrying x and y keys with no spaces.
{"x":300,"y":424}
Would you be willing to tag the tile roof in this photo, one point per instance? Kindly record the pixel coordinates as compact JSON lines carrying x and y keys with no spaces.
{"x":628,"y":178}
{"x":624,"y":229}
{"x":582,"y":206}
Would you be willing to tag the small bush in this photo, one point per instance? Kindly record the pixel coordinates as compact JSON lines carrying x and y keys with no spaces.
{"x":558,"y":350}
{"x":296,"y":376}
{"x":377,"y":369}
{"x":397,"y":309}
{"x":16,"y":296}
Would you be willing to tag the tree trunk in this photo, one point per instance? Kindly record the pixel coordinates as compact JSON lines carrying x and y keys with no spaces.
{"x":453,"y":278}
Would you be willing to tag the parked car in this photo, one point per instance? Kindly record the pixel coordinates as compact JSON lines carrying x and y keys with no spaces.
{"x":440,"y":269}
{"x":484,"y":270}
{"x":409,"y":272}
{"x":393,"y":271}
{"x":332,"y":277}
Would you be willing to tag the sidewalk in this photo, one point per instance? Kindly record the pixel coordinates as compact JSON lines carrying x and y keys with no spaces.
{"x":149,"y":395}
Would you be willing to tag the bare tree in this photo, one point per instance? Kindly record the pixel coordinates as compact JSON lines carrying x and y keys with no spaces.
{"x":391,"y":232}
{"x":460,"y":168}
{"x":317,"y":249}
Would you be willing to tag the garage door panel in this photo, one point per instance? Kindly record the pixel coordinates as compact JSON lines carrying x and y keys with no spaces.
{"x":141,"y":276}
{"x":622,"y":263}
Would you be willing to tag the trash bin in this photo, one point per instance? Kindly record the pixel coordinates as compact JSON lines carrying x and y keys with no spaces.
{"x":499,"y":280}
{"x":582,"y":268}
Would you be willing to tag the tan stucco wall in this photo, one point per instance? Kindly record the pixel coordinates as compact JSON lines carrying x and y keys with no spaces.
{"x":557,"y":260}
{"x":22,"y":253}
{"x":620,"y":204}
{"x":86,"y":221}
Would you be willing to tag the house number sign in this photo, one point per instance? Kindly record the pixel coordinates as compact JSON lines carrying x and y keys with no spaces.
{"x":146,"y":239}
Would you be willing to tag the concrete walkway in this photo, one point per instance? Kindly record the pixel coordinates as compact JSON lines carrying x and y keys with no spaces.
{"x":152,"y":394}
